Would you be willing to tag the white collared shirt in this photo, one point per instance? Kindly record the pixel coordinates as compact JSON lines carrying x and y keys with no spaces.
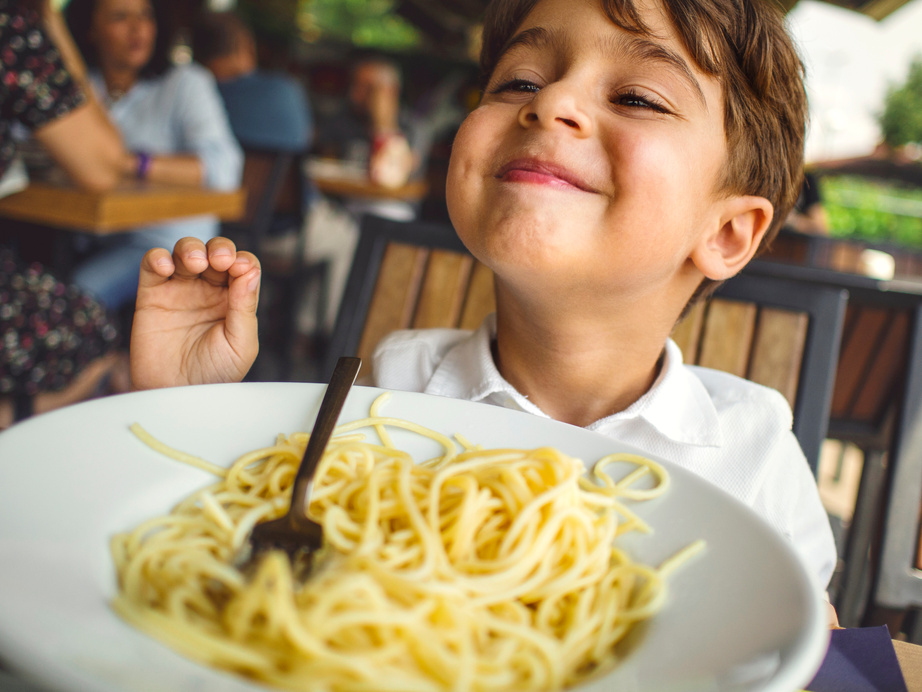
{"x":733,"y":432}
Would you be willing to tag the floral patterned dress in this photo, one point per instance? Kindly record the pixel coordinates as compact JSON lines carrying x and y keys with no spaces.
{"x":48,"y":330}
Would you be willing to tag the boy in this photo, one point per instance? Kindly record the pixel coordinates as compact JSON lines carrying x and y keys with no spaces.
{"x":623,"y":159}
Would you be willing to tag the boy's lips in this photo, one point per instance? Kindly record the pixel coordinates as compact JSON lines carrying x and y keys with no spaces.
{"x":543,"y":173}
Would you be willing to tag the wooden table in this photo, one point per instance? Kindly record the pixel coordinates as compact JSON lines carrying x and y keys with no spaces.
{"x":412,"y":191}
{"x":344,"y":179}
{"x":128,"y":206}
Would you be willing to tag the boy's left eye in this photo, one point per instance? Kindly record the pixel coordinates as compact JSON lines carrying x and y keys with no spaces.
{"x":519,"y":85}
{"x":633,"y":99}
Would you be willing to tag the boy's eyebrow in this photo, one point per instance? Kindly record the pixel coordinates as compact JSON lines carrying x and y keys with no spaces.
{"x":536,"y":37}
{"x":636,"y":47}
{"x":650,"y":51}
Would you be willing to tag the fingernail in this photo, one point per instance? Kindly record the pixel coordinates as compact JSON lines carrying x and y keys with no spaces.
{"x":221,"y":252}
{"x":254,"y":282}
{"x":198,"y":254}
{"x":164,"y":262}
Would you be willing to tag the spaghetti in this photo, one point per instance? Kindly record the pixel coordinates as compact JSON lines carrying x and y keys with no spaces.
{"x":477,"y":570}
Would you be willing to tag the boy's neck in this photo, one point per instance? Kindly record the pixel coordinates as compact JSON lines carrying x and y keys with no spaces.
{"x":574,"y":367}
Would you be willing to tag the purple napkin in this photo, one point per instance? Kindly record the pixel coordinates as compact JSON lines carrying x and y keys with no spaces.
{"x":859,"y":659}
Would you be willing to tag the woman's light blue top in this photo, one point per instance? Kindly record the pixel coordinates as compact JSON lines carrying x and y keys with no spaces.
{"x":180,"y":112}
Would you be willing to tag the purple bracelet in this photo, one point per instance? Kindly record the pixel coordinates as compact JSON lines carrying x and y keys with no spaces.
{"x":144,"y":160}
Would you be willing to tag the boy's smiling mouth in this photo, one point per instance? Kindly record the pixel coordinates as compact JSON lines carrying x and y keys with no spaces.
{"x":526,"y":170}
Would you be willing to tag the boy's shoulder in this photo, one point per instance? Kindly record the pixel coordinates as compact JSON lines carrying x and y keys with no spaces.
{"x":727,"y":390}
{"x":407,"y":359}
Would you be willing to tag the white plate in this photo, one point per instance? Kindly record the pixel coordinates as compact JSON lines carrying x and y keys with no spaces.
{"x":741,"y":616}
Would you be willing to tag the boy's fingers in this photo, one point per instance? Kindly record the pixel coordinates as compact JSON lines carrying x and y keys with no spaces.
{"x":221,"y":253}
{"x":156,"y":267}
{"x":243,"y":293}
{"x":240,"y":323}
{"x":240,"y":264}
{"x":190,"y":258}
{"x":244,"y":262}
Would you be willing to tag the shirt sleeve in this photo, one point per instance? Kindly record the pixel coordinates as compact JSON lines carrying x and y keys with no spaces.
{"x":800,"y":512}
{"x":35,"y":87}
{"x":205,"y":130}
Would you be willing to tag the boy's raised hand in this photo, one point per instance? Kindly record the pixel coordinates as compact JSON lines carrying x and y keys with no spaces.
{"x":195,"y":318}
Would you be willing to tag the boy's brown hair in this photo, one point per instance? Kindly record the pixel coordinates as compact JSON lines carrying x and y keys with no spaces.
{"x":744,"y":45}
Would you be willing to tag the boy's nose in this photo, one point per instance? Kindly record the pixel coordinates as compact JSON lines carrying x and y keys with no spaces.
{"x":556,"y":106}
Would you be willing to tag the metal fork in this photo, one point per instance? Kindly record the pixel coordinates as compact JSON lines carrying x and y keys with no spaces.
{"x":295,"y":533}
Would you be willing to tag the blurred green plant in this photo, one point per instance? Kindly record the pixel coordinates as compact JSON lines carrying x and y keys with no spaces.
{"x":901,"y":119}
{"x":364,"y":23}
{"x":870,"y":210}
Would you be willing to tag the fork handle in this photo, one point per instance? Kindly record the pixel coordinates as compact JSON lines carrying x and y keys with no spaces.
{"x":344,"y":374}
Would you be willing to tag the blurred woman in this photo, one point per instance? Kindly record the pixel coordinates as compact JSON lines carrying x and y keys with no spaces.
{"x":56,"y":343}
{"x":170,"y":117}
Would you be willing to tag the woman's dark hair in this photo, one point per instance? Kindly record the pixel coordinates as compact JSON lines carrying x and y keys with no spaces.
{"x":79,"y":16}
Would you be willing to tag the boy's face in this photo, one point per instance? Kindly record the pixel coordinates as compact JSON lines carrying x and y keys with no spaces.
{"x":593,"y":159}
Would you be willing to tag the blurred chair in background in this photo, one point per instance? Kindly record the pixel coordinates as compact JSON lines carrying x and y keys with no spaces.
{"x":270,"y":116}
{"x":275,"y":182}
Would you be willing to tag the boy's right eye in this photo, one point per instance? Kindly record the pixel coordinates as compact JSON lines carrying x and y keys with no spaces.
{"x":518,"y":85}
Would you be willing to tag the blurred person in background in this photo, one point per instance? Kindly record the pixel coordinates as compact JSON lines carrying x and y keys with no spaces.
{"x":267,"y":110}
{"x":808,"y":214}
{"x":56,"y":343}
{"x":172,"y":120}
{"x":371,"y":129}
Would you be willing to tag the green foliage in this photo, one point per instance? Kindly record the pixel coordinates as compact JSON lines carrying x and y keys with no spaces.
{"x":901,"y":120}
{"x":874,"y":211}
{"x":364,"y":23}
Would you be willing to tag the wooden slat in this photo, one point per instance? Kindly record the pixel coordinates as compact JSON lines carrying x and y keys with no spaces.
{"x":727,"y":336}
{"x":886,"y":373}
{"x":442,"y":293}
{"x":687,"y":333}
{"x":395,"y":295}
{"x":858,"y":349}
{"x":480,"y":300}
{"x":777,"y":350}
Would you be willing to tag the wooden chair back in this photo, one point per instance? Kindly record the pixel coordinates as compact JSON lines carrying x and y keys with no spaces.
{"x":779,"y":333}
{"x":407,"y":276}
{"x":775,"y":332}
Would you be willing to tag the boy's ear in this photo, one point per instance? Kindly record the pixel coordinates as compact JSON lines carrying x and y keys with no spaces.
{"x":742,"y":224}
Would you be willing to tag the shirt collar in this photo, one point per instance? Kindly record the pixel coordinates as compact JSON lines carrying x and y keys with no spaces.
{"x":678,"y":405}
